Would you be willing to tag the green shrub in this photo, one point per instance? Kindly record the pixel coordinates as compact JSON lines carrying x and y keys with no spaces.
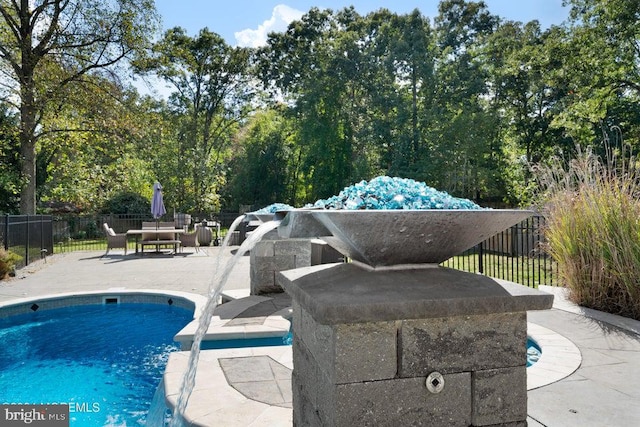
{"x":593,"y":231}
{"x":92,"y":231}
{"x":8,"y":262}
{"x":127,"y":203}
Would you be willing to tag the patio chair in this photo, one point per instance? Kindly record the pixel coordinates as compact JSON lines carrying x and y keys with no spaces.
{"x":189,"y":240}
{"x":114,"y":240}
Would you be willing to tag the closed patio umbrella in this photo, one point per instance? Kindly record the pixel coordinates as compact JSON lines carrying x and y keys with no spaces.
{"x":157,"y":204}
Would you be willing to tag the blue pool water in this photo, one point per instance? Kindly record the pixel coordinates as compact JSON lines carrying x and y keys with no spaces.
{"x":533,"y":352}
{"x":105,"y":361}
{"x":247,"y":342}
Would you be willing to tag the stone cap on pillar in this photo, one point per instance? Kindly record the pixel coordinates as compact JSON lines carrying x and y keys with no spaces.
{"x":347,"y":293}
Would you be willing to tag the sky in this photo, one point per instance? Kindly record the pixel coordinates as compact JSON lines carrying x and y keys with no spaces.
{"x":247,"y":22}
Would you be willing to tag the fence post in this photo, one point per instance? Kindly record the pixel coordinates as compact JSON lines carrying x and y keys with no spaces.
{"x":6,"y":232}
{"x":480,"y":261}
{"x":41,"y":234}
{"x":26,"y":246}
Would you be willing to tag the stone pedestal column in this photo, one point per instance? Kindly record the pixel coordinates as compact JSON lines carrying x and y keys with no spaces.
{"x":432,"y":347}
{"x":273,"y":254}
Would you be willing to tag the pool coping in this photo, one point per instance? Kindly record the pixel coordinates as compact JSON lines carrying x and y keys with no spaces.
{"x":276,"y":324}
{"x":559,"y":357}
{"x":185,"y":300}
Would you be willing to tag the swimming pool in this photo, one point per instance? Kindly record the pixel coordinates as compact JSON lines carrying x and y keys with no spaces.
{"x":534,"y":352}
{"x":105,"y":361}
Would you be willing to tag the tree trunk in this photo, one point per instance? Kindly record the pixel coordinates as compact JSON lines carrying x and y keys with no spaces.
{"x":28,"y":143}
{"x":28,"y":190}
{"x":28,"y":111}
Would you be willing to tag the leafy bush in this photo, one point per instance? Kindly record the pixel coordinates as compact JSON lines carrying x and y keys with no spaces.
{"x":92,"y":230}
{"x":593,"y":231}
{"x":8,"y":262}
{"x":127,"y":203}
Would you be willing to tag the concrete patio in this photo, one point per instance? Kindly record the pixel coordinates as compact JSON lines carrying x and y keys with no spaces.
{"x":603,"y":391}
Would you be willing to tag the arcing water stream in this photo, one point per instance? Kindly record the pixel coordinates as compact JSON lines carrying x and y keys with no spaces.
{"x":215,"y":288}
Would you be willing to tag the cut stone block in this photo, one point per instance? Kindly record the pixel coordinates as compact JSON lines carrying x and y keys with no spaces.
{"x":347,"y":293}
{"x":350,"y":352}
{"x":403,"y":402}
{"x":499,"y":396}
{"x":463,"y":343}
{"x":263,"y":248}
{"x":263,"y":270}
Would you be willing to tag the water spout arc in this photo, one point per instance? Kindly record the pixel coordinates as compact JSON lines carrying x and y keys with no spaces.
{"x":216,"y":287}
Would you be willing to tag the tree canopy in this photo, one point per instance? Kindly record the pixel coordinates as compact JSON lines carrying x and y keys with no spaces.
{"x":464,"y":101}
{"x":49,"y":48}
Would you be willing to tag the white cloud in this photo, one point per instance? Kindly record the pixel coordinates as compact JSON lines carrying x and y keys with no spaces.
{"x":281,"y":17}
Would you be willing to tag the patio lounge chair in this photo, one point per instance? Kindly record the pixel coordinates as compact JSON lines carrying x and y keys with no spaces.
{"x":114,"y":240}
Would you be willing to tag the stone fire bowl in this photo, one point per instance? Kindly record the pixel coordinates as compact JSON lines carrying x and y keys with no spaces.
{"x":385,"y":238}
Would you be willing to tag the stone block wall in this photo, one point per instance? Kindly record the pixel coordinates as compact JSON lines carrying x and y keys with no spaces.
{"x":374,"y":373}
{"x":272,"y":254}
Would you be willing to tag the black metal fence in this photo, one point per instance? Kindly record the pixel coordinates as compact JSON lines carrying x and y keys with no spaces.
{"x":84,"y":232}
{"x":517,"y":254}
{"x":29,"y":236}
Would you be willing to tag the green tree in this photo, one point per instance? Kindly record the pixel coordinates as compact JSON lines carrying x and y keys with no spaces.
{"x":211,"y":98}
{"x":604,"y":70}
{"x":527,"y":91}
{"x":9,"y":159}
{"x":48,"y":45}
{"x":317,"y":65}
{"x":401,"y":81}
{"x":96,"y":145}
{"x":464,"y":152}
{"x":265,"y":170}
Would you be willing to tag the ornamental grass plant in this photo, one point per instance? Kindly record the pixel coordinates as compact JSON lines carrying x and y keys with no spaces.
{"x":8,"y":262}
{"x":592,"y":208}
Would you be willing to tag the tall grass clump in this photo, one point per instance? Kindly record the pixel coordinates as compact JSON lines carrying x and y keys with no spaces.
{"x":592,"y":208}
{"x":8,"y":262}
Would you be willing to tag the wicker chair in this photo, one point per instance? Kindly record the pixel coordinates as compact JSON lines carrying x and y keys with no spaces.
{"x":114,"y":240}
{"x":190,"y":240}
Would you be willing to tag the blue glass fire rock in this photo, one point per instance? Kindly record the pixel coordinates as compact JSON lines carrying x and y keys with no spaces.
{"x":273,"y":208}
{"x":385,"y":192}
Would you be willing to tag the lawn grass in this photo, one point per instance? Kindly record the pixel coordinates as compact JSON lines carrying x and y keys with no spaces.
{"x":528,"y":271}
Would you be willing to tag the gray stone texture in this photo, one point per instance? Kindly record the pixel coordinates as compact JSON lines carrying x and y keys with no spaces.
{"x":383,"y":238}
{"x":347,"y":293}
{"x":312,"y":391}
{"x":403,"y":402}
{"x":323,"y":253}
{"x":271,"y":255}
{"x":356,"y":362}
{"x":463,"y":343}
{"x":259,"y":378}
{"x":349,"y":352}
{"x":263,"y":248}
{"x":320,"y":402}
{"x":263,"y":271}
{"x":499,"y":396}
